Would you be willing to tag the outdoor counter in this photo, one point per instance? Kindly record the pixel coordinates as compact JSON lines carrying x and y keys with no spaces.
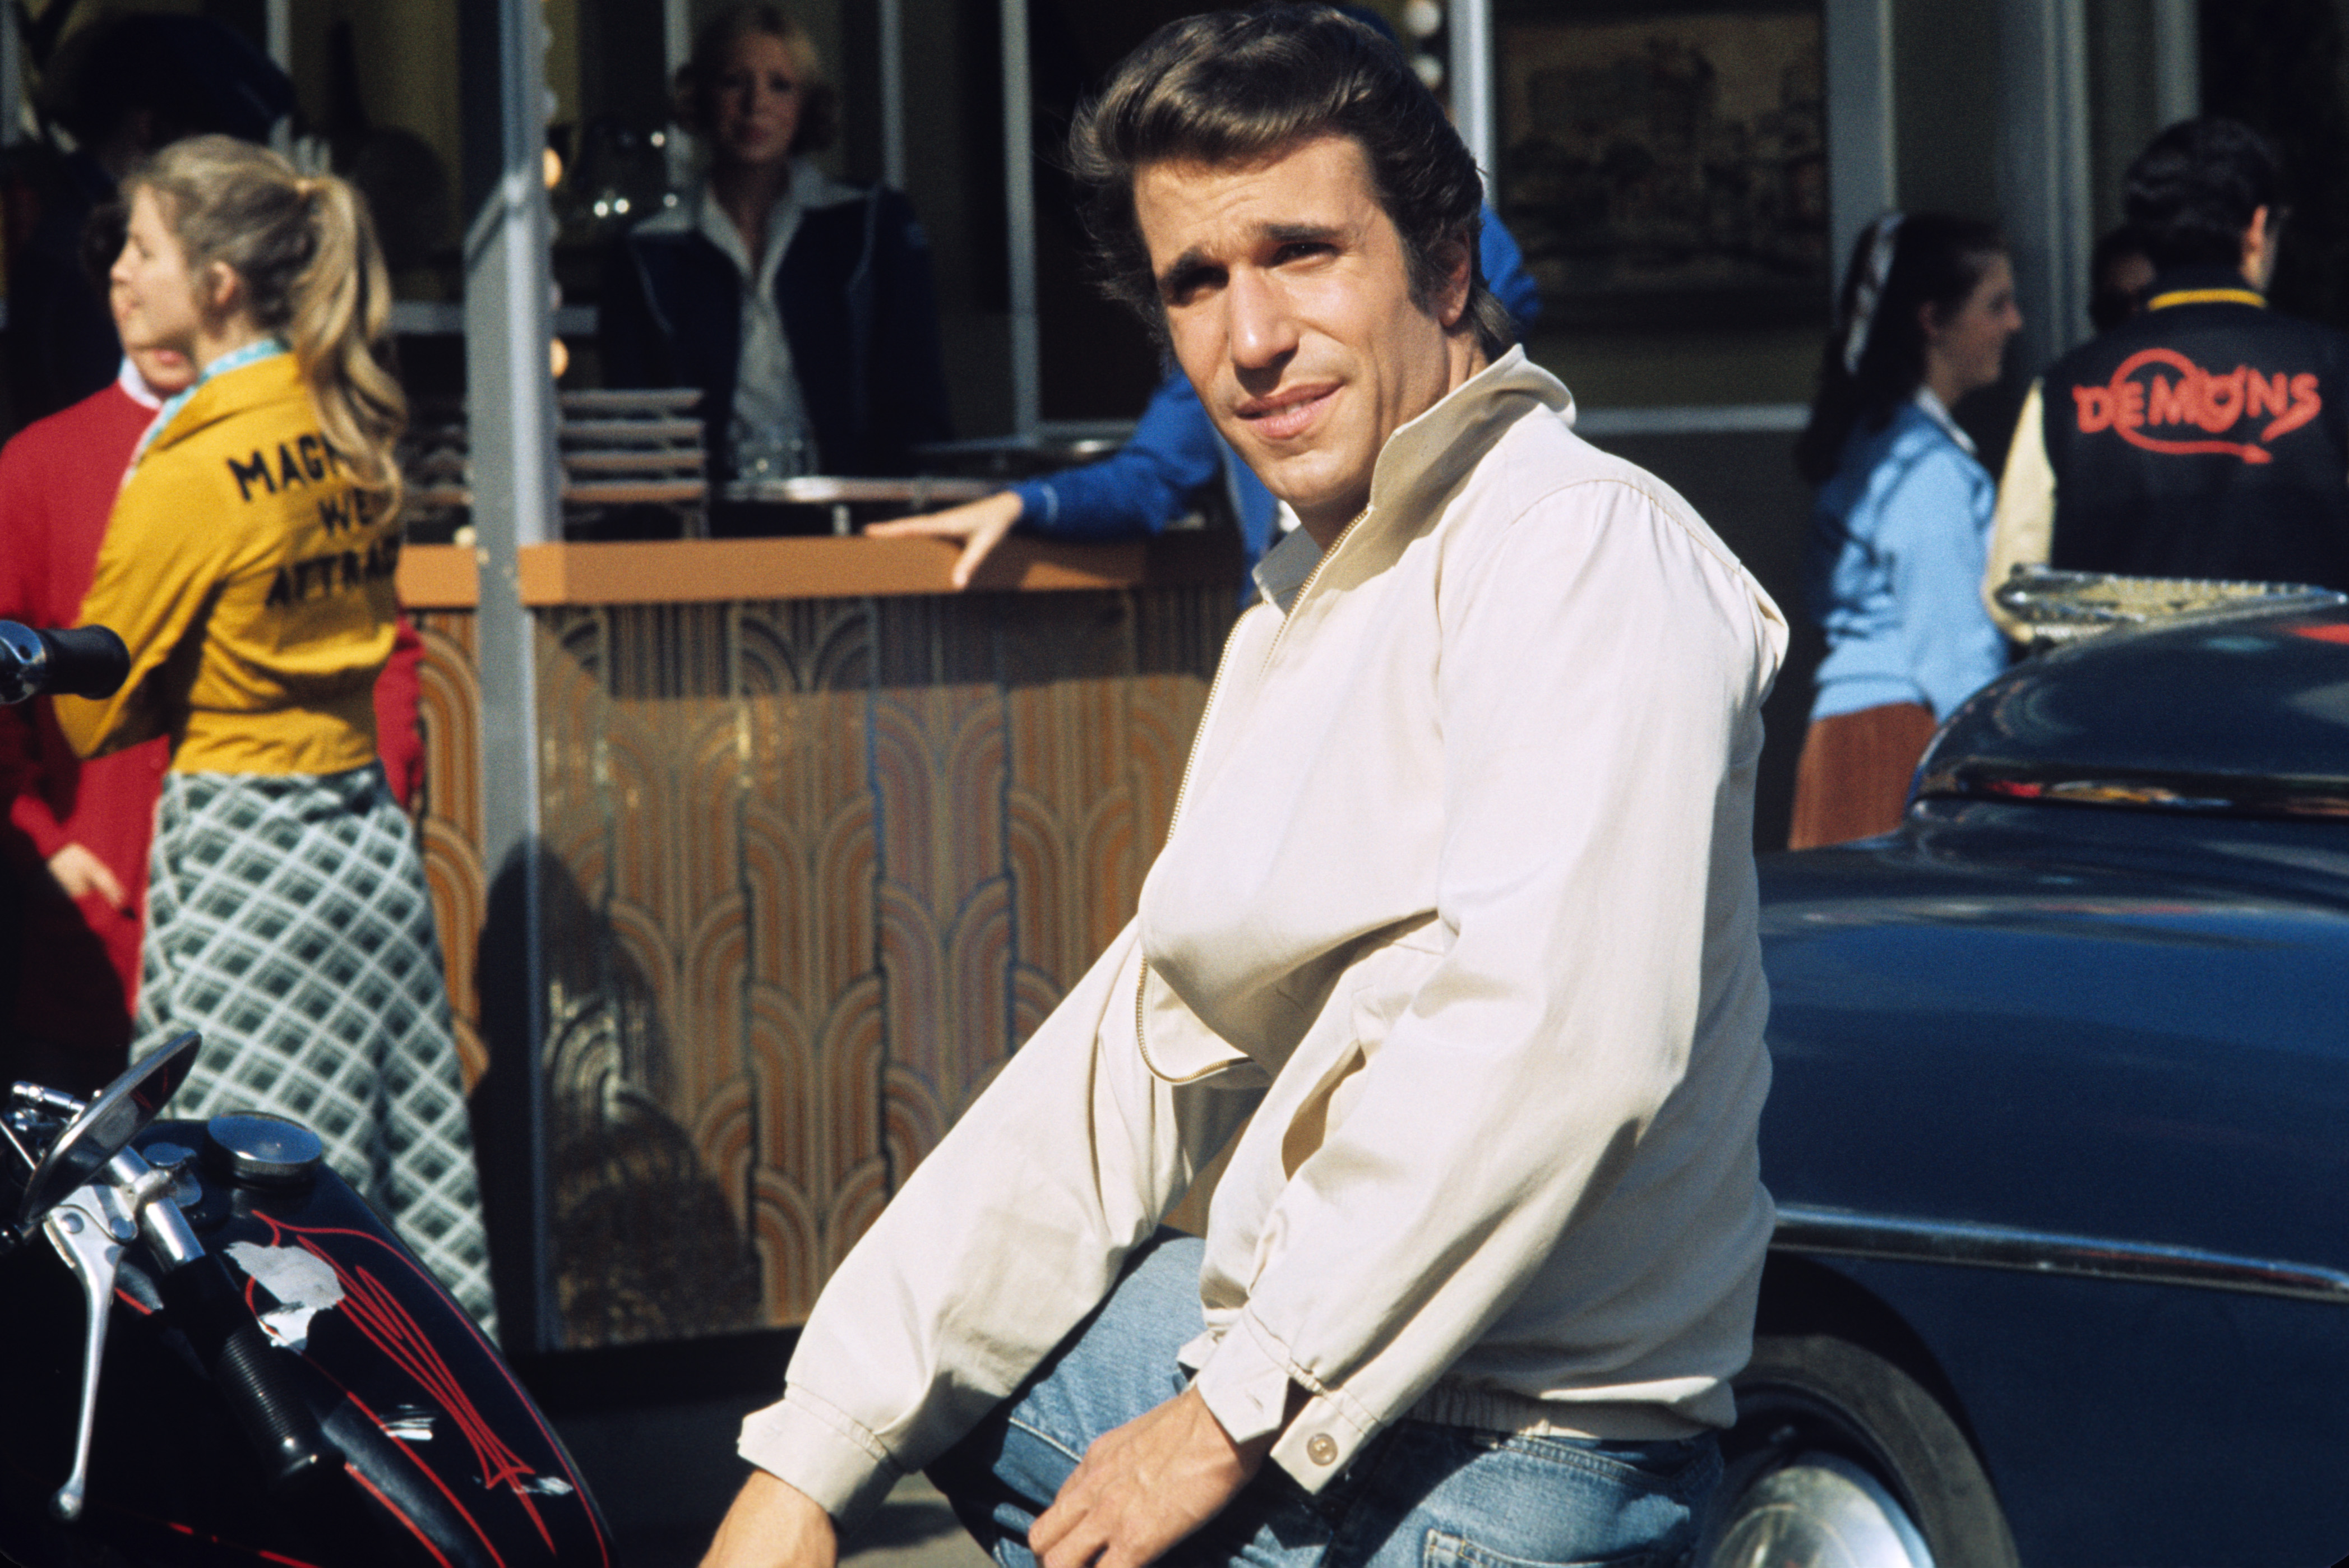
{"x":715,"y":571}
{"x":820,"y":840}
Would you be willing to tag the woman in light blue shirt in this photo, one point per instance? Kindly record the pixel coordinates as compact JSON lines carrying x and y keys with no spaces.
{"x":1901,"y":527}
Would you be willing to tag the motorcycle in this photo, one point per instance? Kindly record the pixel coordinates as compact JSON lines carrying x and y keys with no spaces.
{"x":283,"y":1383}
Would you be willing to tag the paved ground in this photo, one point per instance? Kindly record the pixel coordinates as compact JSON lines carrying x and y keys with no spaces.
{"x":665,"y":1474}
{"x":915,"y":1529}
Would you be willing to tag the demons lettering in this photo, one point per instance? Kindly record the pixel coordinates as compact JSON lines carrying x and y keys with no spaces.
{"x":2197,"y":399}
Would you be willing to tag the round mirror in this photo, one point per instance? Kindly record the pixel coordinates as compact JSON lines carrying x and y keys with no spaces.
{"x":106,"y":1124}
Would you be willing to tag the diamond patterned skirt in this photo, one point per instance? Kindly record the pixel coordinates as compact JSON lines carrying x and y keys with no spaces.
{"x":289,"y":924}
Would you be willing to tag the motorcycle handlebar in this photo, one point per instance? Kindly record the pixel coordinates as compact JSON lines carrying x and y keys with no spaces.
{"x":253,"y":1376}
{"x":77,"y":661}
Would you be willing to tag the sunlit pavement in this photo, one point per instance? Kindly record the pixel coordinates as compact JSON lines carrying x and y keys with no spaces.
{"x":665,"y":1473}
{"x":916,"y":1529}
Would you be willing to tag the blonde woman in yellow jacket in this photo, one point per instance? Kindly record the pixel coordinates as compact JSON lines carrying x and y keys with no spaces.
{"x":248,"y":564}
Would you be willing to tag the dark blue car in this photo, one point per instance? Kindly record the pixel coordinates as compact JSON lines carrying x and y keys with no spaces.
{"x":2060,"y":1130}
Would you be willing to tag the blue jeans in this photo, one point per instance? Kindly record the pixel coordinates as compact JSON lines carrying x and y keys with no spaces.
{"x":1418,"y":1495}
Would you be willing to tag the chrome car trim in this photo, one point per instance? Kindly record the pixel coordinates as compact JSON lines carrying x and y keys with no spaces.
{"x":2060,"y":607}
{"x":1842,"y":1233}
{"x":2197,"y":794}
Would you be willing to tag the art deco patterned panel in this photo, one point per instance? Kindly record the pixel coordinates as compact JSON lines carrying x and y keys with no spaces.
{"x":448,"y":818}
{"x":812,"y":868}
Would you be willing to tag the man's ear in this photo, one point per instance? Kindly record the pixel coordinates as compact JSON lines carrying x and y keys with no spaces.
{"x":1458,"y":259}
{"x":1929,"y":318}
{"x":2259,"y":246}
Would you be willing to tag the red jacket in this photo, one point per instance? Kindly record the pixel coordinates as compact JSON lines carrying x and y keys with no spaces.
{"x":79,"y":966}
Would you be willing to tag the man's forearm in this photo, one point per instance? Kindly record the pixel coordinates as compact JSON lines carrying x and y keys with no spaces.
{"x":772,"y":1524}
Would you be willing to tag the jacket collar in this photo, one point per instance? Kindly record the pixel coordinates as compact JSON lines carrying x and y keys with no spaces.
{"x":2203,"y":284}
{"x":812,"y":188}
{"x":274,"y":379}
{"x":1431,"y":455}
{"x":1926,"y":399}
{"x":1417,"y":472}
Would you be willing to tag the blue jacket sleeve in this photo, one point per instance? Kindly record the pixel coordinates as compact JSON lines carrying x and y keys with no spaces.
{"x":1138,"y":489}
{"x":1934,"y":530}
{"x":1505,"y":272}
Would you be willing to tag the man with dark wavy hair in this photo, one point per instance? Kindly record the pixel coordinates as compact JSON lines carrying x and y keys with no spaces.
{"x":1452,"y":941}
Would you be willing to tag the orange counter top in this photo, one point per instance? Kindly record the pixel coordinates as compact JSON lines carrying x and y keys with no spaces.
{"x":715,"y":571}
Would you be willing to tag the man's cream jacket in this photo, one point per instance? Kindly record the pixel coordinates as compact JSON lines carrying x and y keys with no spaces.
{"x":1459,"y":902}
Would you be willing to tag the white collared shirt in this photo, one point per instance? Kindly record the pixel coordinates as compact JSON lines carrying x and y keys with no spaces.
{"x":770,"y":438}
{"x":1938,"y":412}
{"x":134,"y":386}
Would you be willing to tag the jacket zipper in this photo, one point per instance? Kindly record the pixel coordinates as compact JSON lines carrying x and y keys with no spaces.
{"x":1191,"y":763}
{"x":1303,"y":590}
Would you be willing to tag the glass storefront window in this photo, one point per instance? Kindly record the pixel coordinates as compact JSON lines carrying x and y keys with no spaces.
{"x":1663,"y":168}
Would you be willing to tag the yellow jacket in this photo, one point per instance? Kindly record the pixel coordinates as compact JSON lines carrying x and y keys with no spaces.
{"x":252,"y":584}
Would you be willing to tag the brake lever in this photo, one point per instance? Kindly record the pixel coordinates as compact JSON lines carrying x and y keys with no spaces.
{"x":90,"y":1226}
{"x":90,"y":1239}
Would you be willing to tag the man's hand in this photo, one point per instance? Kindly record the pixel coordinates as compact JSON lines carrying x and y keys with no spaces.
{"x":80,"y":874}
{"x":981,"y":525}
{"x":1145,"y":1487}
{"x":773,"y":1524}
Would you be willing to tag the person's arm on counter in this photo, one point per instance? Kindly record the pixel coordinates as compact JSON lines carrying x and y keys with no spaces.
{"x":1132,"y":494}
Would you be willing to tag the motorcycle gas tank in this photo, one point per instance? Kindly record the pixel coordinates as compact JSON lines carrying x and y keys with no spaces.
{"x":448,"y":1462}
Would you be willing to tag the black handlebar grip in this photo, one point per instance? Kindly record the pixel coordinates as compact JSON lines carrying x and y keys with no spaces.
{"x":253,"y":1375}
{"x":86,"y":661}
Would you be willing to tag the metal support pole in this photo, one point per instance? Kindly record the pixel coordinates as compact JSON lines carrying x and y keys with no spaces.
{"x":11,"y":79}
{"x":2177,"y":59}
{"x":509,"y":414}
{"x":676,"y":47}
{"x":278,"y":24}
{"x":1019,"y":212}
{"x":1474,"y":112}
{"x":2043,"y":191}
{"x":893,"y":93}
{"x":1862,"y":181}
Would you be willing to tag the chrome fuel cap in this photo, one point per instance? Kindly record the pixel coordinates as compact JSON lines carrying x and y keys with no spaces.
{"x":254,"y":1150}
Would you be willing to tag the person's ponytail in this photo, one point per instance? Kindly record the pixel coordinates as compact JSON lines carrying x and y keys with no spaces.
{"x":341,"y":304}
{"x":304,"y":250}
{"x":1874,"y":360}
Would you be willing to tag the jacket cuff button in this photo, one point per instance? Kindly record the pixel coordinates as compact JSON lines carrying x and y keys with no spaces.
{"x":1321,"y":1449}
